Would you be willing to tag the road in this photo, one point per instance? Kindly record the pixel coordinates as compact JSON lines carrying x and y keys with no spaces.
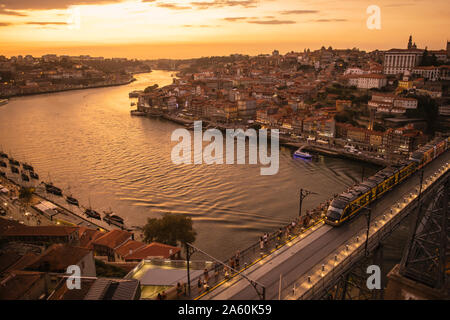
{"x":293,"y":261}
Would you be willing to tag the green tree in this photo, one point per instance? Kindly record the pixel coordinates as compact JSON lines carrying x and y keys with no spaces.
{"x":170,"y":229}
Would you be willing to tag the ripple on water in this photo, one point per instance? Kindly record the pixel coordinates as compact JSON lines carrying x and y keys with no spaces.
{"x":87,"y":140}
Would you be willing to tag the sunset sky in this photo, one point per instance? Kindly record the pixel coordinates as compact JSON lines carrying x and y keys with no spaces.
{"x":193,"y":28}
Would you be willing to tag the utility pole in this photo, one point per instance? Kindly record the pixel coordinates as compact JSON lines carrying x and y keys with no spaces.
{"x":368,"y":215}
{"x":303,"y":194}
{"x":188,"y":257}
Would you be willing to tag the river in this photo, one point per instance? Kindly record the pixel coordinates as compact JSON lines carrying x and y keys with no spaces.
{"x":87,"y":141}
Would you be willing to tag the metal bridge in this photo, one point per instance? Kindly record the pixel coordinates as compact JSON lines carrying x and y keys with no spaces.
{"x":311,"y":264}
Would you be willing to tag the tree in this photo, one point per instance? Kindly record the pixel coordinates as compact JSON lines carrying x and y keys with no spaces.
{"x":151,"y":88}
{"x":26,"y":194}
{"x":427,"y":109}
{"x":169,"y":229}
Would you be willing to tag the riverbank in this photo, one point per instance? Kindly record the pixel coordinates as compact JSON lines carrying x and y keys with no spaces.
{"x":93,"y":86}
{"x":284,"y":141}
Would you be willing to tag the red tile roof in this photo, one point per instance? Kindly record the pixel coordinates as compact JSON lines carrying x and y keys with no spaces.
{"x":113,"y":239}
{"x":24,"y":231}
{"x":154,"y":249}
{"x":88,"y":236}
{"x":58,"y":257}
{"x":129,"y":247}
{"x":16,"y":284}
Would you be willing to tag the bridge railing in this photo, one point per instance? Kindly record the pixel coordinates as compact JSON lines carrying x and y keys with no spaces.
{"x":218,"y":274}
{"x":318,"y":280}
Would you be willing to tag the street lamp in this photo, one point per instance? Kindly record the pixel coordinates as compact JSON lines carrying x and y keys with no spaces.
{"x":303,"y":194}
{"x":368,"y":216}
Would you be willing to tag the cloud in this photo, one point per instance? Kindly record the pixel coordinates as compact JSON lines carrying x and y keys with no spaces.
{"x":231,"y":19}
{"x":299,"y":11}
{"x":49,"y":4}
{"x":329,"y":20}
{"x":4,"y":11}
{"x":45,"y":23}
{"x":224,"y":3}
{"x":198,"y":26}
{"x":172,"y":6}
{"x":5,"y":24}
{"x":272,"y":22}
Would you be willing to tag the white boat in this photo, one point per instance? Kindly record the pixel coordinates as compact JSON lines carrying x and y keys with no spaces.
{"x":300,"y":154}
{"x":3,"y":101}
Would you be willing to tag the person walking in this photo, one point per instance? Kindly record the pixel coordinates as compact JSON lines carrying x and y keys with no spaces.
{"x":179,"y":290}
{"x":206,"y":274}
{"x":237,"y":258}
{"x":205,"y":286}
{"x":231,"y":263}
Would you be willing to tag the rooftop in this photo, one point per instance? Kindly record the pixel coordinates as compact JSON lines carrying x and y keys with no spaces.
{"x":113,"y":239}
{"x":154,"y":249}
{"x":58,"y":257}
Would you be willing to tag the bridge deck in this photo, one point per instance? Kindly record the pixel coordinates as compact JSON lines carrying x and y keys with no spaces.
{"x":306,"y":252}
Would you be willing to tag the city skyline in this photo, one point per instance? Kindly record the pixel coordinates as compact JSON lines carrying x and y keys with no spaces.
{"x":188,"y":29}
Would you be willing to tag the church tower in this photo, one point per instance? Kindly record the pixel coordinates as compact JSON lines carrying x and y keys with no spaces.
{"x":410,"y":45}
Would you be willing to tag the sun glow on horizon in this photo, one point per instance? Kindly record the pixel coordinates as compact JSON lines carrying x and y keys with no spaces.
{"x":133,"y":27}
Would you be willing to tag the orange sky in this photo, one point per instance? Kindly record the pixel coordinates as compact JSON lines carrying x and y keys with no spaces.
{"x":193,"y":28}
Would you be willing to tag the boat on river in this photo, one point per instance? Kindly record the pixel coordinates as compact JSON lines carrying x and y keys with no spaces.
{"x":28,"y":167}
{"x":138,"y":113}
{"x":92,"y":214}
{"x":300,"y":154}
{"x":72,"y":200}
{"x":50,"y":188}
{"x":113,"y":219}
{"x":34,"y":175}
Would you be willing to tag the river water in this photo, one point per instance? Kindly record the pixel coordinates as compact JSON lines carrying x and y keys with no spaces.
{"x":87,"y":141}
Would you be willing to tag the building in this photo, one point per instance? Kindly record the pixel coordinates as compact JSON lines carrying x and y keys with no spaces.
{"x":407,"y":103}
{"x":391,"y":104}
{"x":41,"y":235}
{"x":58,"y":257}
{"x":106,"y":245}
{"x":154,"y":250}
{"x":368,"y":81}
{"x":403,"y":140}
{"x":321,"y":126}
{"x":341,"y":105}
{"x":398,"y":61}
{"x":246,"y":109}
{"x":158,"y":275}
{"x":428,"y":72}
{"x":98,"y":289}
{"x":24,"y":285}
